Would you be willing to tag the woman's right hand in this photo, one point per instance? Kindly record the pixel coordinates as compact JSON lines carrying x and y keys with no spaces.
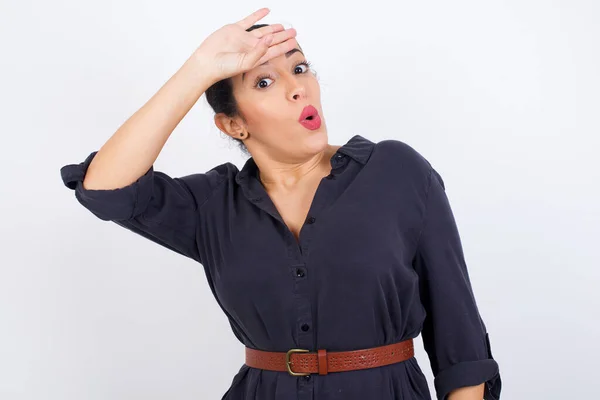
{"x":231,"y":50}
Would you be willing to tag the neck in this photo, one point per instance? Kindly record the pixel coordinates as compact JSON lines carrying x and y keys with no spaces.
{"x":289,"y":177}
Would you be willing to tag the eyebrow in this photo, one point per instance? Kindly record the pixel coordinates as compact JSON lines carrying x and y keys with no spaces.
{"x":287,"y":55}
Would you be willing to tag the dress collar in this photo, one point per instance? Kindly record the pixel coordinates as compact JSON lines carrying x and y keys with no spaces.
{"x":358,"y":148}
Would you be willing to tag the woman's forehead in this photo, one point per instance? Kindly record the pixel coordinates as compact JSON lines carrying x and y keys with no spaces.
{"x":295,"y":49}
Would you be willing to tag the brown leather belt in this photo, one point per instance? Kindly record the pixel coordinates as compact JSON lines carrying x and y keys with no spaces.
{"x":305,"y":362}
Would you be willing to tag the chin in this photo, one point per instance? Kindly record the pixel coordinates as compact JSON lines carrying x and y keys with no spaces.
{"x":317,"y":140}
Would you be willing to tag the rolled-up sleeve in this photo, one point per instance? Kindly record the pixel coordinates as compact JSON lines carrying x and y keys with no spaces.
{"x":155,"y":206}
{"x":454,"y":334}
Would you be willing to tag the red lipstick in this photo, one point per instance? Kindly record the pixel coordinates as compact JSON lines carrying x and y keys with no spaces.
{"x":310,"y":118}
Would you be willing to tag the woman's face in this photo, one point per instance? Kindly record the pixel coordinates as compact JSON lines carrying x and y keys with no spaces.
{"x":271,"y":98}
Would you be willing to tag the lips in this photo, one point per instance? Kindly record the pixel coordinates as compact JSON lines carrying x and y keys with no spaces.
{"x":310,"y":118}
{"x":309,"y":113}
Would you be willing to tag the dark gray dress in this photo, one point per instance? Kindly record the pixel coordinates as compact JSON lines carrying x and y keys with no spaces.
{"x":379,"y":260}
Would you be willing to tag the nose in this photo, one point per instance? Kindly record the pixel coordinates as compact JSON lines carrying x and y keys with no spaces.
{"x":297,"y":91}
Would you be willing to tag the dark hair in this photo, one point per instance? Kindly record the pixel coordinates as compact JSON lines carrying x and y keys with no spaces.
{"x":220,"y":98}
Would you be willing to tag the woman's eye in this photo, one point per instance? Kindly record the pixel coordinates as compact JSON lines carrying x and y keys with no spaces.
{"x":301,"y":65}
{"x":261,"y":79}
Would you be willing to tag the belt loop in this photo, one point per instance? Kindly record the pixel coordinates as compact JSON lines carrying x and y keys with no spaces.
{"x":322,"y":357}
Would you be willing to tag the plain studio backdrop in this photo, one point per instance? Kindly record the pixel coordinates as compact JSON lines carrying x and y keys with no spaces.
{"x":502,"y":97}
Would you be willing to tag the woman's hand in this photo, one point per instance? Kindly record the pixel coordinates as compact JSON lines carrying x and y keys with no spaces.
{"x":232,"y":50}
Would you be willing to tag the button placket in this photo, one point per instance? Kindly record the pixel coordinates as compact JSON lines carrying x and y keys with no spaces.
{"x":304,"y":330}
{"x":303,"y":308}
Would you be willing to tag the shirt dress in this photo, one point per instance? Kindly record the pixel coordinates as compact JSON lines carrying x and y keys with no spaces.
{"x":379,"y":260}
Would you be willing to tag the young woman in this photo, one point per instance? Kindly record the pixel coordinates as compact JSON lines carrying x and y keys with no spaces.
{"x":328,"y":260}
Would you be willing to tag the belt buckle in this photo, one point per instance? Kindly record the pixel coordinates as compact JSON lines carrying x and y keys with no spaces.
{"x":288,"y":363}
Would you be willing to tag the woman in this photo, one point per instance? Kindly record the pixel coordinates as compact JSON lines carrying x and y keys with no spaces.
{"x":327,"y":260}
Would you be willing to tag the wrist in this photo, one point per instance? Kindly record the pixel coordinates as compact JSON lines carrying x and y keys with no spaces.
{"x":199,"y":68}
{"x":467,"y":393}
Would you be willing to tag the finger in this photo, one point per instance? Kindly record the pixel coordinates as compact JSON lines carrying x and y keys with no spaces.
{"x":253,"y":18}
{"x":277,"y":50}
{"x":280,"y":37}
{"x":257,"y":51}
{"x":265,"y":30}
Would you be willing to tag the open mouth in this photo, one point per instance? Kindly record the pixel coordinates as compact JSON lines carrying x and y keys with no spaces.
{"x":310,"y":118}
{"x":309,"y":113}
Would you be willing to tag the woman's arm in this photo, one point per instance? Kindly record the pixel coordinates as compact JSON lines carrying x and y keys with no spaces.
{"x":135,"y":146}
{"x":467,"y":393}
{"x":118,"y":182}
{"x":454,"y":334}
{"x":227,"y":52}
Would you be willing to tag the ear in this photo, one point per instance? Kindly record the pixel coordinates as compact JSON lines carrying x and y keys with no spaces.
{"x":230,"y":126}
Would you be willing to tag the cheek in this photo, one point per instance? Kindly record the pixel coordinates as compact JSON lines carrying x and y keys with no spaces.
{"x":269,"y":111}
{"x":315,"y":86}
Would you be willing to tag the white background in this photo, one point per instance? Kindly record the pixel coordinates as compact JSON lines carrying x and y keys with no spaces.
{"x":502,"y":97}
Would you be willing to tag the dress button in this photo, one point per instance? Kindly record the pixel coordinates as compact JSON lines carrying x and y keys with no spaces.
{"x":330,"y":176}
{"x":307,"y":377}
{"x":310,"y":220}
{"x":256,"y":199}
{"x":305,"y":327}
{"x":300,"y":272}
